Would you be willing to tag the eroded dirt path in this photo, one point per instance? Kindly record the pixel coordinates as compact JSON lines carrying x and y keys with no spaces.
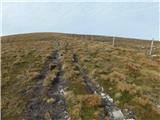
{"x":38,"y":109}
{"x":56,"y":91}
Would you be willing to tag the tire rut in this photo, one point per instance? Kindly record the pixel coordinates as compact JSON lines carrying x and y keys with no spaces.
{"x":110,"y":108}
{"x":56,"y":91}
{"x":91,"y":89}
{"x":37,"y":108}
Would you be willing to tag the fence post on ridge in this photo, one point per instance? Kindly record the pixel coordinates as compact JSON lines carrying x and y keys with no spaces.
{"x":151,"y":47}
{"x":113,"y":41}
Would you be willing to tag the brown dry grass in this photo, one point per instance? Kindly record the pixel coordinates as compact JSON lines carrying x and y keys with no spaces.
{"x":114,"y":77}
{"x":127,"y":65}
{"x":130,"y":88}
{"x":22,"y":59}
{"x":91,"y":100}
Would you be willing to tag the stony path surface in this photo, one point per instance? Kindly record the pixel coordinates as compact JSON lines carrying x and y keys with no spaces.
{"x":56,"y":91}
{"x":38,"y":109}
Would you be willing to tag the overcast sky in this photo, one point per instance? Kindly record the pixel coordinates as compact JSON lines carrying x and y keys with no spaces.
{"x":126,"y":19}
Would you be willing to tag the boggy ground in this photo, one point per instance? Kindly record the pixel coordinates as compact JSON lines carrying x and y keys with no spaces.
{"x":31,"y":69}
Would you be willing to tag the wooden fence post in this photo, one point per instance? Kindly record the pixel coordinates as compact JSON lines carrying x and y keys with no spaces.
{"x":113,"y":41}
{"x":151,"y":47}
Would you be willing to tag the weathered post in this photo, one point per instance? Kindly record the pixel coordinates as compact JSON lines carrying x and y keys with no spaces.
{"x":113,"y":41}
{"x":151,"y":47}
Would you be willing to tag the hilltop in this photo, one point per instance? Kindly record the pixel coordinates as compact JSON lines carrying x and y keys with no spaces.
{"x":79,"y":77}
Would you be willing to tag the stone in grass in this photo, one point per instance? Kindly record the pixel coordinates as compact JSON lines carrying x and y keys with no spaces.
{"x":50,"y":100}
{"x":110,"y":88}
{"x":117,"y":102}
{"x":117,"y":115}
{"x":47,"y":116}
{"x":118,"y":95}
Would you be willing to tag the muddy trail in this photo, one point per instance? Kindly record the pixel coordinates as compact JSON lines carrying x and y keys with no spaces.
{"x":110,"y":109}
{"x":55,"y":107}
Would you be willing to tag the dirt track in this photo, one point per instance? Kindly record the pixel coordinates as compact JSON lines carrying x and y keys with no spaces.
{"x":37,"y":108}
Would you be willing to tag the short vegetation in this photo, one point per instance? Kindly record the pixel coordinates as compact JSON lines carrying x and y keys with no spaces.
{"x":126,"y":72}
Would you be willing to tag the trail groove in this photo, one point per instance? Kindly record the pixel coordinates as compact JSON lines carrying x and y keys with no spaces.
{"x":37,"y":108}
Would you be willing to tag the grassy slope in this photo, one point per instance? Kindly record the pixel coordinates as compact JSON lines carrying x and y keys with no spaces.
{"x":126,"y":72}
{"x":132,"y":78}
{"x":22,"y":59}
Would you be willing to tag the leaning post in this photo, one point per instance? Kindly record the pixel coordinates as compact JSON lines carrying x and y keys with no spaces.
{"x":113,"y":41}
{"x":151,"y":47}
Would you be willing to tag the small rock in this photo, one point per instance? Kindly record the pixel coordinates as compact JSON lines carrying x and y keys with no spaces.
{"x":118,"y":95}
{"x":51,"y":100}
{"x":117,"y":102}
{"x":47,"y":116}
{"x":110,"y":88}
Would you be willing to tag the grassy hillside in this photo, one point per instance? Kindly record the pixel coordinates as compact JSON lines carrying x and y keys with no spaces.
{"x":126,"y":72}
